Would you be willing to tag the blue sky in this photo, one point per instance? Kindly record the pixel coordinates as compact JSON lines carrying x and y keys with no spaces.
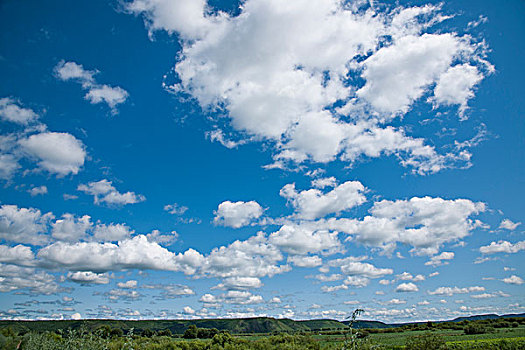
{"x":189,"y":159}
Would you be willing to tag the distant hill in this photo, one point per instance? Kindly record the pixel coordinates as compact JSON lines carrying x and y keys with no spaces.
{"x":368,"y":324}
{"x":485,"y":317}
{"x":234,"y":326}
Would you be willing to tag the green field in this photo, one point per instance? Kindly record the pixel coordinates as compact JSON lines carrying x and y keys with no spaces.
{"x":502,"y":333}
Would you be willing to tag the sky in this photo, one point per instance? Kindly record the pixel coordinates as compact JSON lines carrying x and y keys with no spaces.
{"x":168,"y":159}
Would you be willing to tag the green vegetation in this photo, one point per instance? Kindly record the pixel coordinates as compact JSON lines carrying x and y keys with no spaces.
{"x":502,"y":333}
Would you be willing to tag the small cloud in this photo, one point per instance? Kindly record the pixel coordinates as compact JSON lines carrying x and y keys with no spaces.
{"x":509,"y":225}
{"x":514,"y":280}
{"x":175,"y":209}
{"x":35,"y":191}
{"x":407,"y":287}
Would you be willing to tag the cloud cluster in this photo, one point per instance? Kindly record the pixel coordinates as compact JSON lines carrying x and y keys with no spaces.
{"x":503,"y":247}
{"x":55,"y":152}
{"x":237,"y":214}
{"x":96,"y":93}
{"x":313,"y":203}
{"x":370,"y":66}
{"x":104,"y":192}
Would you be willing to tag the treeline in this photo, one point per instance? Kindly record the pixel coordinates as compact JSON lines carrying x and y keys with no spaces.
{"x":469,"y":327}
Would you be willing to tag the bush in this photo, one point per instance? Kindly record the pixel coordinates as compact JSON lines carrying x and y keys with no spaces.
{"x":427,"y":341}
{"x":475,"y":329}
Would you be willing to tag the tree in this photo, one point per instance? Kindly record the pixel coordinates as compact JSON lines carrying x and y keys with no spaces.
{"x":191,"y":332}
{"x":427,"y":341}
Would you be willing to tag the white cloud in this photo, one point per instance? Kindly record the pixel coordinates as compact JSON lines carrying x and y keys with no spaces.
{"x":503,"y":247}
{"x":76,"y":316}
{"x":23,"y":225}
{"x":407,"y":287}
{"x":305,"y":261}
{"x":240,"y":283}
{"x":356,"y":281}
{"x":188,"y":310}
{"x":237,"y":214}
{"x":331,"y":289}
{"x":254,"y":257}
{"x":71,"y":228}
{"x":405,"y":276}
{"x":312,"y":204}
{"x":128,"y":284}
{"x":455,"y":290}
{"x":104,"y":192}
{"x":112,"y":96}
{"x":137,"y":253}
{"x":112,"y":232}
{"x":300,"y":240}
{"x":324,"y":182}
{"x":277,"y":90}
{"x":182,"y":16}
{"x":353,"y":268}
{"x":158,"y":237}
{"x":330,"y":278}
{"x":74,"y":71}
{"x":10,"y":110}
{"x":15,"y":278}
{"x":275,"y":300}
{"x":175,"y":209}
{"x":96,"y":93}
{"x":507,"y":224}
{"x":490,"y":295}
{"x":59,"y":153}
{"x":455,"y":86}
{"x":36,"y":191}
{"x":424,"y":223}
{"x":396,"y":301}
{"x":17,"y":255}
{"x":514,"y":280}
{"x":240,"y":298}
{"x":88,"y":277}
{"x":437,"y":260}
{"x":8,"y":166}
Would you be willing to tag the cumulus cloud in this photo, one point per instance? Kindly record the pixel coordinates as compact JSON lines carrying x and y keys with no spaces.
{"x":128,"y":284}
{"x":507,"y":224}
{"x":88,"y":277}
{"x":17,"y":255}
{"x":96,"y":93}
{"x":351,"y":267}
{"x":71,"y":228}
{"x":312,"y":204}
{"x":407,"y":287}
{"x":16,"y":278}
{"x":36,"y":191}
{"x":57,"y":153}
{"x":104,"y":192}
{"x":111,"y":232}
{"x":305,"y":261}
{"x":455,"y":86}
{"x":8,"y":166}
{"x":424,"y":223}
{"x":277,"y":90}
{"x":301,"y":240}
{"x":437,"y":260}
{"x":455,"y":290}
{"x":503,"y":247}
{"x":237,"y":214}
{"x":23,"y":225}
{"x":514,"y":280}
{"x":175,"y":209}
{"x":10,"y":110}
{"x":136,"y":253}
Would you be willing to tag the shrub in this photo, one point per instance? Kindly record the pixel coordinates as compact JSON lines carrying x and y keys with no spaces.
{"x":427,"y":341}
